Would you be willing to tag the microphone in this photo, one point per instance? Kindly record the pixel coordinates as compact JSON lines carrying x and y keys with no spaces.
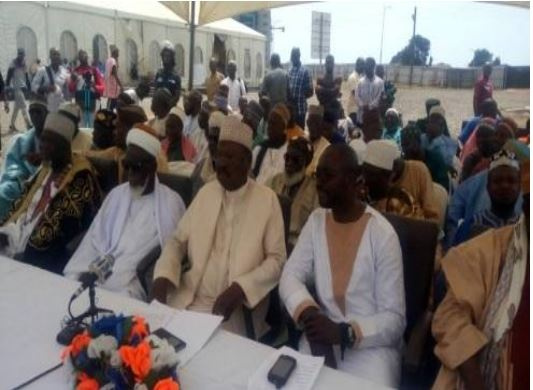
{"x":99,"y":271}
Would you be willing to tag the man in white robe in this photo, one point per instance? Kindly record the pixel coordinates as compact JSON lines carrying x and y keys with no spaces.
{"x":233,"y":237}
{"x":352,"y":257}
{"x":135,"y":218}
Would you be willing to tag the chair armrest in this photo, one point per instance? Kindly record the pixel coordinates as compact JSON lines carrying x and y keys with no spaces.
{"x":415,"y":346}
{"x":74,"y":243}
{"x":145,"y":268}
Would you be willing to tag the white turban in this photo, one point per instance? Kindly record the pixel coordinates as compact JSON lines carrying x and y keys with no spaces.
{"x":59,"y":123}
{"x":215,"y":119}
{"x":392,"y":111}
{"x":382,"y":153}
{"x":234,"y":130}
{"x":145,"y":140}
{"x":437,"y":110}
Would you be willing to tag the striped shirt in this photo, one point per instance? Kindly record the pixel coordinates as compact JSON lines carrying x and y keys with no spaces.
{"x":299,"y":81}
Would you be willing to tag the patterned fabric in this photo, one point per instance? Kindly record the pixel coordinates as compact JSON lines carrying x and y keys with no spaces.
{"x":399,"y":202}
{"x":74,"y":206}
{"x":299,"y":81}
{"x":504,"y":304}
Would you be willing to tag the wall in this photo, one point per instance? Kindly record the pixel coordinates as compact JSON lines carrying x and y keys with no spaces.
{"x":447,"y":77}
{"x":49,"y":22}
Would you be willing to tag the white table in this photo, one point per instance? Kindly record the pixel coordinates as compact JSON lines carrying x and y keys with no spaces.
{"x":33,"y":302}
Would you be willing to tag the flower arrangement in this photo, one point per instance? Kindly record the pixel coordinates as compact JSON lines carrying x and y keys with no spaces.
{"x":119,"y":353}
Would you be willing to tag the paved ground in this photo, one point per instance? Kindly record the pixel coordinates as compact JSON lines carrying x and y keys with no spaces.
{"x":410,"y":102}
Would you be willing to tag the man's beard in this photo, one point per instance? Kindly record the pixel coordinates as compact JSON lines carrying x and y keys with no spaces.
{"x":138,"y":191}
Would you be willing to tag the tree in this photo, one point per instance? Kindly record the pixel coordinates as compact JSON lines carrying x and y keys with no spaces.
{"x":481,"y":57}
{"x":497,"y":61}
{"x":421,"y":52}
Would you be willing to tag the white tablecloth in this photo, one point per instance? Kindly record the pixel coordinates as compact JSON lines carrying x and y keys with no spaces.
{"x":33,"y":302}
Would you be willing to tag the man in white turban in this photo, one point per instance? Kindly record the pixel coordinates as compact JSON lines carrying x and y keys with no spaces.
{"x":135,"y":218}
{"x":233,"y":237}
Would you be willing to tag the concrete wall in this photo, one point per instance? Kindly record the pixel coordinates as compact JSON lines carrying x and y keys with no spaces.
{"x":49,"y":20}
{"x":429,"y":76}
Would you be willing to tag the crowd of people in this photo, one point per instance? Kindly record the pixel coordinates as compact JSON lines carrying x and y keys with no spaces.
{"x":286,"y":197}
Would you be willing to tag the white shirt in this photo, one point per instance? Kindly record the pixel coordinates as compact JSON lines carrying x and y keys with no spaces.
{"x":273,"y":163}
{"x":369,"y":94}
{"x":236,"y":90}
{"x":351,"y":102}
{"x":41,"y":79}
{"x":374,"y":300}
{"x":138,"y":238}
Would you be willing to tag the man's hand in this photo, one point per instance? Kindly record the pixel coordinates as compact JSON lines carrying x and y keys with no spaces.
{"x":160,"y":289}
{"x":228,"y":301}
{"x":73,"y":76}
{"x":34,"y":159}
{"x":3,"y":240}
{"x":320,"y":329}
{"x":51,"y":88}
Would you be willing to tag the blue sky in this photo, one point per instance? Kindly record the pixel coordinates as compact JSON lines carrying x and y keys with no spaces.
{"x":455,"y":29}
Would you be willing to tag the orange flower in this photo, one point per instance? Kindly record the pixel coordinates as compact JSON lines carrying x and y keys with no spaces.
{"x":87,"y":383}
{"x":167,"y":384}
{"x":137,"y":358}
{"x":139,"y":328}
{"x":78,"y":343}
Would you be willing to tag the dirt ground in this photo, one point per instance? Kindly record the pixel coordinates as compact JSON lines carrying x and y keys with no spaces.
{"x":409,"y":101}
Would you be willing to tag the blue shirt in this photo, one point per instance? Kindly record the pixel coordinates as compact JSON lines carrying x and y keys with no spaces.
{"x":443,"y":145}
{"x":482,"y":220}
{"x":394,"y":135}
{"x":468,"y":199}
{"x":17,"y":170}
{"x":469,"y":128}
{"x":299,"y":80}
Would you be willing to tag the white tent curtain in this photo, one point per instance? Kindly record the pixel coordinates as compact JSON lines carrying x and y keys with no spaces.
{"x":155,"y":56}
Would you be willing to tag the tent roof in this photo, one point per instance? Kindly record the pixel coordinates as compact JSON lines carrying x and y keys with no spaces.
{"x":153,"y":9}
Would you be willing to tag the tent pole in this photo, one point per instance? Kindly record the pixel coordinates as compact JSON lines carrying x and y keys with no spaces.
{"x":192,"y":26}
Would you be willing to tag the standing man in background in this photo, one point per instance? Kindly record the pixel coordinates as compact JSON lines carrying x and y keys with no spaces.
{"x":235,"y":86}
{"x":212,"y":82}
{"x":369,"y":89}
{"x":300,"y":87}
{"x":167,"y":77}
{"x":113,"y":86}
{"x":50,"y":82}
{"x":18,"y":73}
{"x":353,"y":80}
{"x":276,"y":83}
{"x":87,"y":85}
{"x":483,"y":89}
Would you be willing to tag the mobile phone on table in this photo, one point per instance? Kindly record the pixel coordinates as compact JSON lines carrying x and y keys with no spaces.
{"x":175,"y":341}
{"x":281,"y":371}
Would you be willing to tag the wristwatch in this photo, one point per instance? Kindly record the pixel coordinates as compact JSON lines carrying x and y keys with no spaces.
{"x":348,"y":337}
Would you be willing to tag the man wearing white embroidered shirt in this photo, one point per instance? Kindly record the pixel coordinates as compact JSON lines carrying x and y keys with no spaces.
{"x":232,"y":235}
{"x":135,"y":218}
{"x":192,"y":104}
{"x":51,"y":81}
{"x":369,"y":89}
{"x":235,"y":85}
{"x":352,"y":257}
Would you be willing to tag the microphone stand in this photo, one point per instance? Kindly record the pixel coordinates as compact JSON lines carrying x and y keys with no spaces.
{"x":93,"y":310}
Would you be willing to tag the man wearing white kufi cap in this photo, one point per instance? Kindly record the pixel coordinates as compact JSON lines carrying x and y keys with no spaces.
{"x":167,"y":77}
{"x":233,"y":236}
{"x":378,"y":169}
{"x":398,"y":186}
{"x":58,"y":203}
{"x":135,"y":218}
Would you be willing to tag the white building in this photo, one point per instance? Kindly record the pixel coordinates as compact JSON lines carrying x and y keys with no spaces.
{"x":136,"y":27}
